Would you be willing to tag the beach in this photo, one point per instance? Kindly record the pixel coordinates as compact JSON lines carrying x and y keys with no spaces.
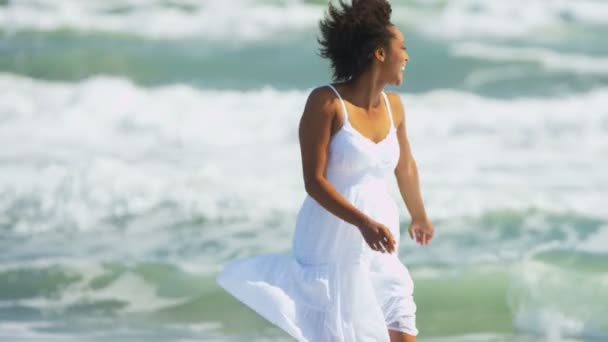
{"x":146,"y":143}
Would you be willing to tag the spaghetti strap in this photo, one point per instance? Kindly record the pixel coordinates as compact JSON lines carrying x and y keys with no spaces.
{"x":341,"y":101}
{"x":388,"y":107}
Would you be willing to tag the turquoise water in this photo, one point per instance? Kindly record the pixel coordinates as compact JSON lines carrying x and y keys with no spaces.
{"x":145,"y":143}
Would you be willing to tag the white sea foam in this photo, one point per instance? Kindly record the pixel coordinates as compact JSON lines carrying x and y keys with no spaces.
{"x":518,"y":18}
{"x":549,"y":60}
{"x":559,"y":302}
{"x":146,"y":159}
{"x":212,"y":19}
{"x":596,"y":243}
{"x":129,"y":288}
{"x":20,"y":330}
{"x":510,"y":154}
{"x":246,"y":19}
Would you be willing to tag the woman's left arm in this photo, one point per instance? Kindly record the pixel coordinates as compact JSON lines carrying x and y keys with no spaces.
{"x":406,"y":173}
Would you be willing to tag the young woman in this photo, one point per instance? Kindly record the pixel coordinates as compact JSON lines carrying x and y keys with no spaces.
{"x":344,"y":281}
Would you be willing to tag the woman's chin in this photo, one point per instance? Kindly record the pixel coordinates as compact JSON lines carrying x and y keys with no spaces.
{"x":397,"y":81}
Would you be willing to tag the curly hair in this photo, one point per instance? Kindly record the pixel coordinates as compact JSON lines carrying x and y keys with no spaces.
{"x":351,"y":33}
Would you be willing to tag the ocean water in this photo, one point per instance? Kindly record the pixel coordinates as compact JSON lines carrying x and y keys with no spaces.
{"x":146,"y":142}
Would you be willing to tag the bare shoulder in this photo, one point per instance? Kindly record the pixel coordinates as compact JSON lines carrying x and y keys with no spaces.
{"x":319,"y":115}
{"x":396,"y":107}
{"x":321,"y":101}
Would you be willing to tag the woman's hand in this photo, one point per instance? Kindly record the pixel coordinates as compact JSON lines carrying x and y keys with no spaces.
{"x":378,"y":237}
{"x":421,"y":229}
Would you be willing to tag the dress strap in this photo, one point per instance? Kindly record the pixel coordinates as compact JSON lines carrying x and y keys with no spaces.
{"x":341,"y":101}
{"x":388,"y":107}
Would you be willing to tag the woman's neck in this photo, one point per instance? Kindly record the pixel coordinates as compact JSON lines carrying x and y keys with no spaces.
{"x":365,"y":91}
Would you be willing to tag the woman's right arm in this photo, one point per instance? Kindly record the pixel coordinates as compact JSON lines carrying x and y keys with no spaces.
{"x":314,"y":134}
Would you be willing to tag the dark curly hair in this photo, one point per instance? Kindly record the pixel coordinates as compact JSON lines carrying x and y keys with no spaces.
{"x":351,"y":33}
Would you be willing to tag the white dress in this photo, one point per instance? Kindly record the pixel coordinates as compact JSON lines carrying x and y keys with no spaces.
{"x":334,"y":287}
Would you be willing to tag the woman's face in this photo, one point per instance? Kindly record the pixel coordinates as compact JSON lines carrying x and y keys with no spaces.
{"x":395,"y":59}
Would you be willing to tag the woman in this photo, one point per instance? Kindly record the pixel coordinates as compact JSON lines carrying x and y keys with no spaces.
{"x":344,"y":281}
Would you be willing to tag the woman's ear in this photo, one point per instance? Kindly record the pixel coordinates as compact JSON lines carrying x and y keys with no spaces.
{"x":379,"y":53}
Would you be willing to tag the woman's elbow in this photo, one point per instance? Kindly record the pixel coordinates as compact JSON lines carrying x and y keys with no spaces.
{"x":406,"y":168}
{"x":312,"y":185}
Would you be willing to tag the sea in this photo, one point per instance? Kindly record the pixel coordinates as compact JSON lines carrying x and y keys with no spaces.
{"x":145,"y":143}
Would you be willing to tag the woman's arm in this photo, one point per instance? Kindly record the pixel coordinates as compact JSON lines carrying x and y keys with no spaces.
{"x":406,"y":173}
{"x":315,"y":134}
